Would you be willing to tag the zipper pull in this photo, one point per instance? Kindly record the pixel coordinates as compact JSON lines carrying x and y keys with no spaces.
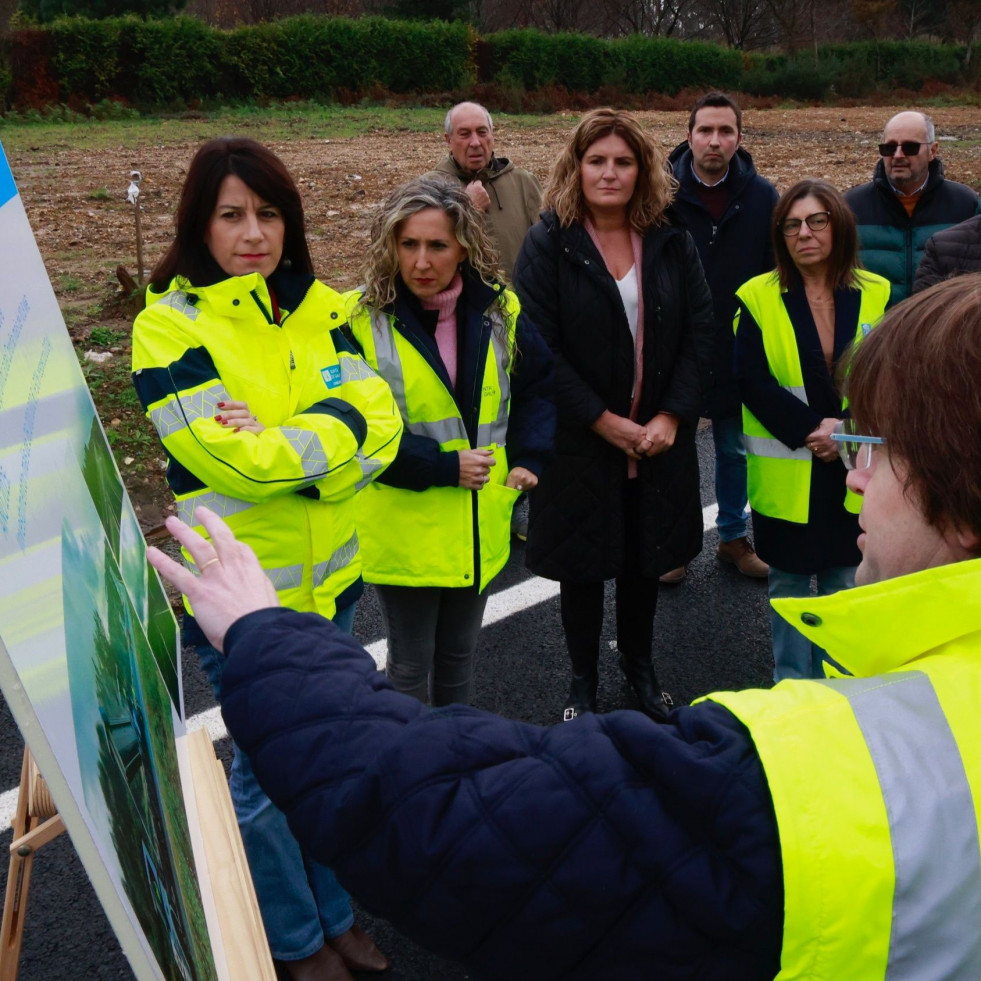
{"x":292,"y":362}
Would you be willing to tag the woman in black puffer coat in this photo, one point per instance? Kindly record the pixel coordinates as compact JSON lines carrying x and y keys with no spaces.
{"x":621,"y":299}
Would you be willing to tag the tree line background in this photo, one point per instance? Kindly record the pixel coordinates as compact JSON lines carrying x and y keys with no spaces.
{"x":747,"y":25}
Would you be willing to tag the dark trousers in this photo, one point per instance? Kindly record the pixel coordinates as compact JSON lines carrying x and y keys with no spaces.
{"x":636,"y":602}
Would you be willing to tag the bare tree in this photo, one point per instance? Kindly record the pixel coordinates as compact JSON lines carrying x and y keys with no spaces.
{"x":742,"y":24}
{"x":654,"y":18}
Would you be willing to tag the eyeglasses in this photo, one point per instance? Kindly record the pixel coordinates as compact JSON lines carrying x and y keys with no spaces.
{"x":816,"y":222}
{"x":854,"y":449}
{"x":910,"y":148}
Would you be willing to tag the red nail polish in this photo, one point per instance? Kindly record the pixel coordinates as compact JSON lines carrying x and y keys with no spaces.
{"x":221,"y":405}
{"x":217,"y":418}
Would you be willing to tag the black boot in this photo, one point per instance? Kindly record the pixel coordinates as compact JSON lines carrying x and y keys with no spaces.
{"x":640,"y":673}
{"x":582,"y":696}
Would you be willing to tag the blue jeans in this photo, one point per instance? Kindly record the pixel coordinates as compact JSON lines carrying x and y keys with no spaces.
{"x":730,"y":477}
{"x":301,"y":901}
{"x":794,"y":656}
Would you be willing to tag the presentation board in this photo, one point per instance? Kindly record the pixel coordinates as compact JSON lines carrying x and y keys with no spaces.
{"x":89,"y":648}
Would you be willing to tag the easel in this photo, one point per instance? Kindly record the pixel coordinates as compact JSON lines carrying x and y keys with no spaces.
{"x":243,"y":939}
{"x":36,"y":822}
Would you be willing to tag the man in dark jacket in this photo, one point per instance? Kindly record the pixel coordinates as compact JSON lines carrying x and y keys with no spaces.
{"x":952,"y":252}
{"x":726,"y":206}
{"x":907,"y":201}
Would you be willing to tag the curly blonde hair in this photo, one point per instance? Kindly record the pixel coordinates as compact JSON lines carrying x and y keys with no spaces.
{"x":381,"y":265}
{"x":655,"y":188}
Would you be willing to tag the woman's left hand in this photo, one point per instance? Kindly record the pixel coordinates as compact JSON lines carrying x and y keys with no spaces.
{"x":820,"y":442}
{"x":659,"y":435}
{"x":521,"y":479}
{"x":238,"y":416}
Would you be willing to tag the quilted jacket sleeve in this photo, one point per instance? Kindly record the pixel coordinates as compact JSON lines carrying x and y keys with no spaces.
{"x":600,"y":848}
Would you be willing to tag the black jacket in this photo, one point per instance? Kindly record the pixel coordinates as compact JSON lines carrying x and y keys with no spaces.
{"x":577,"y":528}
{"x":733,"y":251}
{"x":952,"y":252}
{"x":891,"y":242}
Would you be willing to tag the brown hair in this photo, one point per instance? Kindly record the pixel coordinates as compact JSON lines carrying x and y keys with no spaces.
{"x":655,"y":186}
{"x":715,"y":100}
{"x":265,"y":174}
{"x":843,"y":260}
{"x":915,"y":381}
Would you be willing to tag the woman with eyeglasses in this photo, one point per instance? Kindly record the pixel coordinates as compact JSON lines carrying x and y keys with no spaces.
{"x":792,"y":327}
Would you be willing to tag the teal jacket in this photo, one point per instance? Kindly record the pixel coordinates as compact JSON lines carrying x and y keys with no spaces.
{"x":891,"y":243}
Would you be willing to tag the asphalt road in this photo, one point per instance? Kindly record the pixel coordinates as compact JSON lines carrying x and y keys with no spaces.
{"x":711,"y":632}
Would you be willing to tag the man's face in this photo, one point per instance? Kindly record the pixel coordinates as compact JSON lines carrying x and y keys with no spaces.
{"x":713,"y":140}
{"x":907,"y":172}
{"x":472,"y":141}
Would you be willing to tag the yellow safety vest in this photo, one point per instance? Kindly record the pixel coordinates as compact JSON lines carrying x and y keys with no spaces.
{"x":331,"y":425}
{"x":779,"y":478}
{"x":876,"y":781}
{"x":442,"y":536}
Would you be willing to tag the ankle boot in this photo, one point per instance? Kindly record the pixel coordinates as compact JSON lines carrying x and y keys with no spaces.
{"x":582,"y":696}
{"x":640,"y":673}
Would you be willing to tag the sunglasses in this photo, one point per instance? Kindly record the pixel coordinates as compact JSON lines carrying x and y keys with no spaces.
{"x":910,"y":148}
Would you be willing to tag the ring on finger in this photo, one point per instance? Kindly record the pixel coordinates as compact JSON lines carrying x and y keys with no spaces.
{"x":209,"y":562}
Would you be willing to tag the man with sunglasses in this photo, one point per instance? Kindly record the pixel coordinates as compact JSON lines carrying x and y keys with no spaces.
{"x":908,"y":200}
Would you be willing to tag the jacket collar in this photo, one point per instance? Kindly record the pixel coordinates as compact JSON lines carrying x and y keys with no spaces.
{"x":236,"y":296}
{"x":741,"y":169}
{"x":877,"y":628}
{"x":497,"y":167}
{"x":935,"y":176}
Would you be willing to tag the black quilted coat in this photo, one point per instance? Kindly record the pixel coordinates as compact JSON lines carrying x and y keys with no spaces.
{"x":577,"y":531}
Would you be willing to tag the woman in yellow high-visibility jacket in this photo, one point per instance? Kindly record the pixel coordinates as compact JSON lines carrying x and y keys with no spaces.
{"x":472,"y":380}
{"x":270,"y":417}
{"x":792,"y":327}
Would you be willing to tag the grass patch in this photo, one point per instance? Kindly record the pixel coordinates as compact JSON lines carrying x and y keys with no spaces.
{"x":100,"y":194}
{"x":287,"y":121}
{"x":69,"y":284}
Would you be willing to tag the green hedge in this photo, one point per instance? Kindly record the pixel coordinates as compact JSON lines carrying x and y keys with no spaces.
{"x":160,"y":62}
{"x":181,"y":60}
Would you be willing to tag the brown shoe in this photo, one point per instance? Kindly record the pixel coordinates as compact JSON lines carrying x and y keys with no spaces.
{"x":743,"y":556}
{"x":673,"y":576}
{"x":324,"y":965}
{"x":358,"y":951}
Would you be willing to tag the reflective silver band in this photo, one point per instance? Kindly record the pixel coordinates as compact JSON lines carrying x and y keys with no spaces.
{"x":354,"y":368}
{"x":496,"y":432}
{"x":178,"y":299}
{"x":179,"y":412}
{"x":773,"y":449}
{"x":221,"y":504}
{"x":932,"y":825}
{"x":441,"y":430}
{"x":307,"y":446}
{"x":341,"y":558}
{"x":369,"y":467}
{"x":798,"y":392}
{"x":285,"y":577}
{"x":387,"y":356}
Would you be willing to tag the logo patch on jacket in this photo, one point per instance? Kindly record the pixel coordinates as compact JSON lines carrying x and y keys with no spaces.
{"x":331,"y":375}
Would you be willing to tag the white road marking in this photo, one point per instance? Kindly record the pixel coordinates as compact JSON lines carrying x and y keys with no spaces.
{"x":521,"y":596}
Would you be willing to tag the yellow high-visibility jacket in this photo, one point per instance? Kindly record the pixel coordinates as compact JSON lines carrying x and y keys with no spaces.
{"x":778,"y":477}
{"x":331,"y":423}
{"x":875,"y":776}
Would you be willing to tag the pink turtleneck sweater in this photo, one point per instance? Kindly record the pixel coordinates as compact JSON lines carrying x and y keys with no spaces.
{"x":445,"y":304}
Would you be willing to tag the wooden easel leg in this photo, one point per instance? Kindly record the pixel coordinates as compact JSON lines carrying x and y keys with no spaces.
{"x":30,"y":833}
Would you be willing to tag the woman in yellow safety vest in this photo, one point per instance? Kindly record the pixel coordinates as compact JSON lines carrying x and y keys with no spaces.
{"x":270,"y":418}
{"x":792,"y":327}
{"x":471,"y":377}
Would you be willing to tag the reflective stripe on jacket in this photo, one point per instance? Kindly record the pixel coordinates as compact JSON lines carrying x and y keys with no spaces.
{"x":778,"y":477}
{"x":427,"y":537}
{"x":331,"y":423}
{"x":876,"y":780}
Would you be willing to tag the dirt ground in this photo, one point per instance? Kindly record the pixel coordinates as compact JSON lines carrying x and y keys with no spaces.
{"x":84,"y":233}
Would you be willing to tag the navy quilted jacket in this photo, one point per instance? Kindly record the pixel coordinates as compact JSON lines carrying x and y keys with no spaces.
{"x":605,"y":848}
